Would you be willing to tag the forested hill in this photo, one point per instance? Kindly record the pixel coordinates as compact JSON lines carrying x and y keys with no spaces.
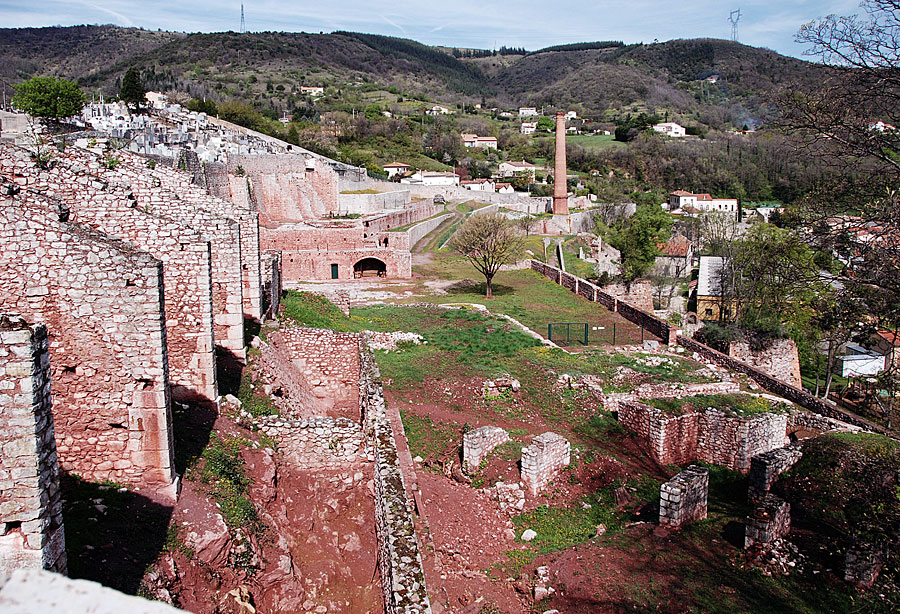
{"x":713,"y":80}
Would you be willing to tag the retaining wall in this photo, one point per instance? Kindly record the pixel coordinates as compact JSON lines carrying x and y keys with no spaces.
{"x":766,"y":467}
{"x":318,"y":444}
{"x":683,"y":499}
{"x":543,"y":460}
{"x":31,"y":522}
{"x":769,"y":521}
{"x":422,"y":229}
{"x":478,"y":443}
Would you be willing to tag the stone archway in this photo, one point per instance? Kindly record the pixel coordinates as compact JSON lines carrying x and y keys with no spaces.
{"x":369,"y":267}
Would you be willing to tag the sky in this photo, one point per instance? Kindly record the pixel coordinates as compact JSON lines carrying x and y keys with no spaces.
{"x":480,"y":24}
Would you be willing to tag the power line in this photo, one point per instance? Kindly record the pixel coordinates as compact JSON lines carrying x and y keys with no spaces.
{"x":734,"y":18}
{"x":242,"y":18}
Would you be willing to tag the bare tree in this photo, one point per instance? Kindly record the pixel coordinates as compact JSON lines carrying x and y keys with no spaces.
{"x":488,"y":241}
{"x":526,"y":223}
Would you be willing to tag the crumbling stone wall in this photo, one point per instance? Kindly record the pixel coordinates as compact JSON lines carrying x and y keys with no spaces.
{"x":732,"y":441}
{"x":766,"y":467}
{"x":102,"y":301}
{"x":708,"y":435}
{"x":638,"y":294}
{"x":862,"y":564}
{"x":399,"y":559}
{"x":683,"y":499}
{"x":803,"y":420}
{"x":769,"y":521}
{"x":31,"y":523}
{"x":478,"y":443}
{"x":320,"y":365}
{"x":543,"y":460}
{"x":781,"y":359}
{"x":612,"y":401}
{"x":271,"y":281}
{"x":186,"y":256}
{"x":318,"y":444}
{"x":190,"y":209}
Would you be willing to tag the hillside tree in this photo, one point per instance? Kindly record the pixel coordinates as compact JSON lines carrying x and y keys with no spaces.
{"x":133,"y":93}
{"x":488,"y":241}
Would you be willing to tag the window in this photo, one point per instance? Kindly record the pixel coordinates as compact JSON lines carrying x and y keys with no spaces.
{"x":709,"y":312}
{"x":334,"y":271}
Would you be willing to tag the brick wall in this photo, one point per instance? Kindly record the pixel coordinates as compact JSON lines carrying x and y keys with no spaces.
{"x":781,"y":359}
{"x":543,"y":460}
{"x":478,"y":443}
{"x":31,"y":523}
{"x":318,"y":444}
{"x":186,"y":256}
{"x":271,"y":283}
{"x":683,"y":499}
{"x":102,"y":301}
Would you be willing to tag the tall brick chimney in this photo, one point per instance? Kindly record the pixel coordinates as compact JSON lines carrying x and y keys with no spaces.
{"x":560,"y":190}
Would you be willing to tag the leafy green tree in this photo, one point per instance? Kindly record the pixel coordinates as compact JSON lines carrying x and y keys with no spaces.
{"x":48,"y":98}
{"x":545,"y":124}
{"x":202,"y":105}
{"x":133,"y":93}
{"x":488,"y":241}
{"x":636,"y":239}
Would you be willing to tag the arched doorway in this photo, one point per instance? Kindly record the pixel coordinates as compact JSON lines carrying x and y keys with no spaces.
{"x":369,"y":267}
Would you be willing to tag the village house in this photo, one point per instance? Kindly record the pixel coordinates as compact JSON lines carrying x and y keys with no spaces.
{"x":670,"y":129}
{"x":681,"y":199}
{"x":528,"y":128}
{"x":528,"y":112}
{"x":396,"y":168}
{"x":504,"y":188}
{"x":515,"y":169}
{"x":766,"y":211}
{"x":571,"y":115}
{"x":858,"y":361}
{"x":709,"y":290}
{"x":438,"y":110}
{"x":479,"y":185}
{"x":887,"y":343}
{"x":675,"y":258}
{"x":479,"y":142}
{"x":312,"y":90}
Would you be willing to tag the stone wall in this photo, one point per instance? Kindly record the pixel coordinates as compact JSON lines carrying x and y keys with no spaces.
{"x":102,"y":302}
{"x":317,"y":444}
{"x":399,"y":559}
{"x":409,"y":214}
{"x":803,"y":420}
{"x":420,"y":230}
{"x":769,"y":521}
{"x":543,"y":460}
{"x":271,"y":283}
{"x":31,"y":523}
{"x":670,"y":439}
{"x":369,"y":203}
{"x":320,"y":366}
{"x":766,"y":467}
{"x":781,"y":359}
{"x":611,"y":401}
{"x":111,"y":209}
{"x":638,"y":294}
{"x":194,"y":210}
{"x":478,"y":443}
{"x":683,"y":499}
{"x":778,"y":387}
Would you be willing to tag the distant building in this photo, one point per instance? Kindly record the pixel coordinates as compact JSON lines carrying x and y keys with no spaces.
{"x":528,"y":112}
{"x":858,"y":361}
{"x":670,"y":129}
{"x":504,"y":188}
{"x":571,"y":115}
{"x":675,"y":258}
{"x":396,"y":168}
{"x":312,"y":90}
{"x":528,"y":127}
{"x":709,"y":290}
{"x":512,"y":169}
{"x":880,"y":126}
{"x":432,"y":178}
{"x":480,"y":142}
{"x":681,"y":199}
{"x":438,"y":110}
{"x":479,"y":185}
{"x":765,"y":211}
{"x":157,"y":100}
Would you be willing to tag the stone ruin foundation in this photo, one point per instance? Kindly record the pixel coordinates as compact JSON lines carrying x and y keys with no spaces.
{"x":765,"y":469}
{"x":31,"y":523}
{"x":862,"y":564}
{"x":478,"y":443}
{"x":543,"y":460}
{"x":769,"y":521}
{"x":683,"y":498}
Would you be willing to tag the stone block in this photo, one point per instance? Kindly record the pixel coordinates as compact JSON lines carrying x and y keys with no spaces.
{"x":683,"y":499}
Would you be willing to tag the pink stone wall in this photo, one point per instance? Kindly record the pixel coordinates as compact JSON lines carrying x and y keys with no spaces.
{"x":781,"y":360}
{"x":102,"y":302}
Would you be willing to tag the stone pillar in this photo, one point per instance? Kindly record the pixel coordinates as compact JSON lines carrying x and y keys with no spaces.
{"x":31,"y":524}
{"x":765,"y":469}
{"x":769,"y":521}
{"x":683,"y":498}
{"x":560,"y":189}
{"x":543,"y":460}
{"x":478,"y":443}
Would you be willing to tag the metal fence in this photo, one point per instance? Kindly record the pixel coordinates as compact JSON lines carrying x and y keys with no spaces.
{"x":567,"y":333}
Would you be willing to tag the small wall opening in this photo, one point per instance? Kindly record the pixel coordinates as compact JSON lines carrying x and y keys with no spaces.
{"x":334,"y":271}
{"x":369,"y":267}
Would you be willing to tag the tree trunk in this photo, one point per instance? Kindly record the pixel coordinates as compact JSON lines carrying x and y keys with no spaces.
{"x":488,"y":289}
{"x":829,"y":366}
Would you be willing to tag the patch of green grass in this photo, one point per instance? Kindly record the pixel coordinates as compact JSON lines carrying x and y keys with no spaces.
{"x":224,"y":474}
{"x":430,"y":439}
{"x":366,"y":191}
{"x":509,"y":451}
{"x":308,"y":309}
{"x":254,"y":401}
{"x":601,"y":428}
{"x":743,"y":405}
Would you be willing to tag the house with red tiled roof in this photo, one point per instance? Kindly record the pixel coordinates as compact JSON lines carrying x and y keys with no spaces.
{"x":675,"y":259}
{"x":681,"y":200}
{"x":396,"y":168}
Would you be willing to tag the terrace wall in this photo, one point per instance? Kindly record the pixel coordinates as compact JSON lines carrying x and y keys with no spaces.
{"x":683,"y":499}
{"x":542,"y":461}
{"x":31,"y":522}
{"x":102,"y":301}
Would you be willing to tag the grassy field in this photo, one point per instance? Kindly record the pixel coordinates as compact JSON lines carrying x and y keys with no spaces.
{"x":593,"y":141}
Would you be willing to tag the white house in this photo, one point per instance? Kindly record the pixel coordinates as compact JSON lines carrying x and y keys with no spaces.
{"x":528,"y":127}
{"x":880,"y":126}
{"x":858,"y":361}
{"x":483,"y":142}
{"x":571,"y":115}
{"x":432,"y":178}
{"x":312,"y":90}
{"x":680,"y":199}
{"x":438,"y":110}
{"x":528,"y":112}
{"x":511,"y":169}
{"x":479,"y":185}
{"x":157,"y":100}
{"x":504,"y":188}
{"x":670,"y":129}
{"x":396,"y":168}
